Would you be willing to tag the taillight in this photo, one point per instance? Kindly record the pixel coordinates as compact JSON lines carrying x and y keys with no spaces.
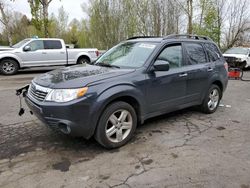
{"x":226,"y":66}
{"x":97,"y":53}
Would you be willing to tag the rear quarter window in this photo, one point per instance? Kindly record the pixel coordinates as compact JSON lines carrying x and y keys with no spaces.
{"x":52,"y":44}
{"x":212,"y":51}
{"x":195,"y":53}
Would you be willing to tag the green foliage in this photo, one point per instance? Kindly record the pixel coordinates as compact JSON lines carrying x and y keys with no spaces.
{"x":209,"y":25}
{"x":108,"y":22}
{"x":37,"y":21}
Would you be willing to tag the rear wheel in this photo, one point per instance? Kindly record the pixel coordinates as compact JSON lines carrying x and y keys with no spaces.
{"x":116,"y":125}
{"x":8,"y":67}
{"x":212,"y":100}
{"x":83,"y":60}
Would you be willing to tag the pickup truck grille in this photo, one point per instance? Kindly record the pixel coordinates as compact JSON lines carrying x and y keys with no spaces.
{"x":37,"y":92}
{"x":230,"y":59}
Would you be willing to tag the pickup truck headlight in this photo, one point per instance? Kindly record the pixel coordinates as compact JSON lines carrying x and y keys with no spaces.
{"x":239,"y":59}
{"x":66,"y":95}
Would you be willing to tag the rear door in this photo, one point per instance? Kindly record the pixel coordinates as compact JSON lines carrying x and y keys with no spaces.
{"x":166,"y":90}
{"x":198,"y":69}
{"x":54,"y":53}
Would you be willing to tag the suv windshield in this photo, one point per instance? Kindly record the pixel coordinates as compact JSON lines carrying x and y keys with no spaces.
{"x":243,"y":51}
{"x":19,"y":44}
{"x":127,"y":55}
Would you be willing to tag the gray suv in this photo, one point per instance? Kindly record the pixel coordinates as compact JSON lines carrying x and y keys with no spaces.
{"x":137,"y":79}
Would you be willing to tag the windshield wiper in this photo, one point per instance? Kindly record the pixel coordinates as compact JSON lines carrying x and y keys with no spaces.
{"x":107,"y":65}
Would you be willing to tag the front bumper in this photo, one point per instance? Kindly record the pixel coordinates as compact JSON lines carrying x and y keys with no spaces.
{"x":72,"y":118}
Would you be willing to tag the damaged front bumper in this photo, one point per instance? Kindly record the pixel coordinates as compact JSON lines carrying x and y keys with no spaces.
{"x":74,"y":117}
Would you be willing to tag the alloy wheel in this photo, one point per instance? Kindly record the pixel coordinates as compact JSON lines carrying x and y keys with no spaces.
{"x":119,"y":126}
{"x":213,"y":99}
{"x":8,"y":67}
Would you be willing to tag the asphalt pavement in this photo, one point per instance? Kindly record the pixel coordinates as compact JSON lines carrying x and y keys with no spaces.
{"x":178,"y":150}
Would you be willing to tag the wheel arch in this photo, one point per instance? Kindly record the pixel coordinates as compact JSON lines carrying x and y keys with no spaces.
{"x":83,"y":56}
{"x":12,"y":58}
{"x":105,"y":99}
{"x":220,"y":85}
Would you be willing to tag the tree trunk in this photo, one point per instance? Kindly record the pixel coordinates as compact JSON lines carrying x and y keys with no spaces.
{"x":190,"y":16}
{"x":5,"y":22}
{"x":45,"y":19}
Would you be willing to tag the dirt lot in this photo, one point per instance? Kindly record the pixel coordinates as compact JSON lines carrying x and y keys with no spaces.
{"x":178,"y":150}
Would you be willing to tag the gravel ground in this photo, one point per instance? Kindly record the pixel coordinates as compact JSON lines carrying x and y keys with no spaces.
{"x":179,"y":150}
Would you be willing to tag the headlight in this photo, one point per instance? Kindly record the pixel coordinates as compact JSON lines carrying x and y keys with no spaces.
{"x":239,"y":59}
{"x":65,"y":95}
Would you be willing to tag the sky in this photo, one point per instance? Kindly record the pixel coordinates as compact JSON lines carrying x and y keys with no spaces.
{"x":72,"y":7}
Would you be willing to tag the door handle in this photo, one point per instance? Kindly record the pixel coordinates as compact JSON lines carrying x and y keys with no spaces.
{"x":209,"y":69}
{"x":62,"y":52}
{"x":183,"y":75}
{"x":44,"y":53}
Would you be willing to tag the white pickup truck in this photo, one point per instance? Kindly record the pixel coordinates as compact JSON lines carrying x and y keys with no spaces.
{"x":239,"y":55}
{"x":40,"y":52}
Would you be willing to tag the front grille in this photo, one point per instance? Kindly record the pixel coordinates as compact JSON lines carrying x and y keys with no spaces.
{"x":37,"y":92}
{"x":230,"y":59}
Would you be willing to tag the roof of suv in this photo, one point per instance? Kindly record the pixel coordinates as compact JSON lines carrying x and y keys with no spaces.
{"x":171,"y":37}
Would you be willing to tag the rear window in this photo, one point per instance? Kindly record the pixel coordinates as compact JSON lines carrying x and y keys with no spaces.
{"x":212,"y":52}
{"x":196,"y":53}
{"x":52,"y":44}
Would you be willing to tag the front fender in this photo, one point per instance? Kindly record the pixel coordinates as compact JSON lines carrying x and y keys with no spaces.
{"x":12,"y":56}
{"x":112,"y":93}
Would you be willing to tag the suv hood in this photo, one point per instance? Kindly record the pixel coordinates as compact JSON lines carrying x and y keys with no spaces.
{"x":78,"y":76}
{"x":235,"y":55}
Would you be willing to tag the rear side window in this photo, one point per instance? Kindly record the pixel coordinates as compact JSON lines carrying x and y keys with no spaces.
{"x":52,"y":44}
{"x":195,"y":53}
{"x":212,"y":52}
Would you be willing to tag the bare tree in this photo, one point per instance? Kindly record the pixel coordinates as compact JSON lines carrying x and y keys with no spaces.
{"x":238,"y":22}
{"x":221,"y":13}
{"x":5,"y":20}
{"x":45,"y":5}
{"x":35,"y":8}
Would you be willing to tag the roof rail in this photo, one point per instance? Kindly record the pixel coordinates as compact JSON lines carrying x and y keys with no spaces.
{"x":188,"y":36}
{"x":137,"y":37}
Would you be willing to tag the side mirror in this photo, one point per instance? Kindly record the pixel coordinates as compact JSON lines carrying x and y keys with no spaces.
{"x":27,"y":48}
{"x":161,"y":65}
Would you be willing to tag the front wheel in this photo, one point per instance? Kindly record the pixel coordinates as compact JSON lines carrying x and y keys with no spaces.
{"x":8,"y":67}
{"x":116,"y":125}
{"x":212,"y":100}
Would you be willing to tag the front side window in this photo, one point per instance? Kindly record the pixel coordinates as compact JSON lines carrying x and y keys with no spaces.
{"x":195,"y":53}
{"x":173,"y":55}
{"x":36,"y":45}
{"x":127,"y":55}
{"x":52,"y":44}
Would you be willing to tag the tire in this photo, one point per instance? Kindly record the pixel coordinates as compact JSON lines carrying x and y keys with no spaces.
{"x":83,"y":60}
{"x":211,"y":100}
{"x":8,"y":67}
{"x":119,"y":120}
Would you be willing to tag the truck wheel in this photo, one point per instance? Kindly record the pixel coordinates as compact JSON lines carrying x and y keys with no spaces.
{"x":116,"y":125}
{"x":212,"y":100}
{"x":8,"y":67}
{"x":83,"y":60}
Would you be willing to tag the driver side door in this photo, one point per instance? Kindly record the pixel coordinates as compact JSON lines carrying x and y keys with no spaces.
{"x":34,"y":56}
{"x":166,"y":90}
